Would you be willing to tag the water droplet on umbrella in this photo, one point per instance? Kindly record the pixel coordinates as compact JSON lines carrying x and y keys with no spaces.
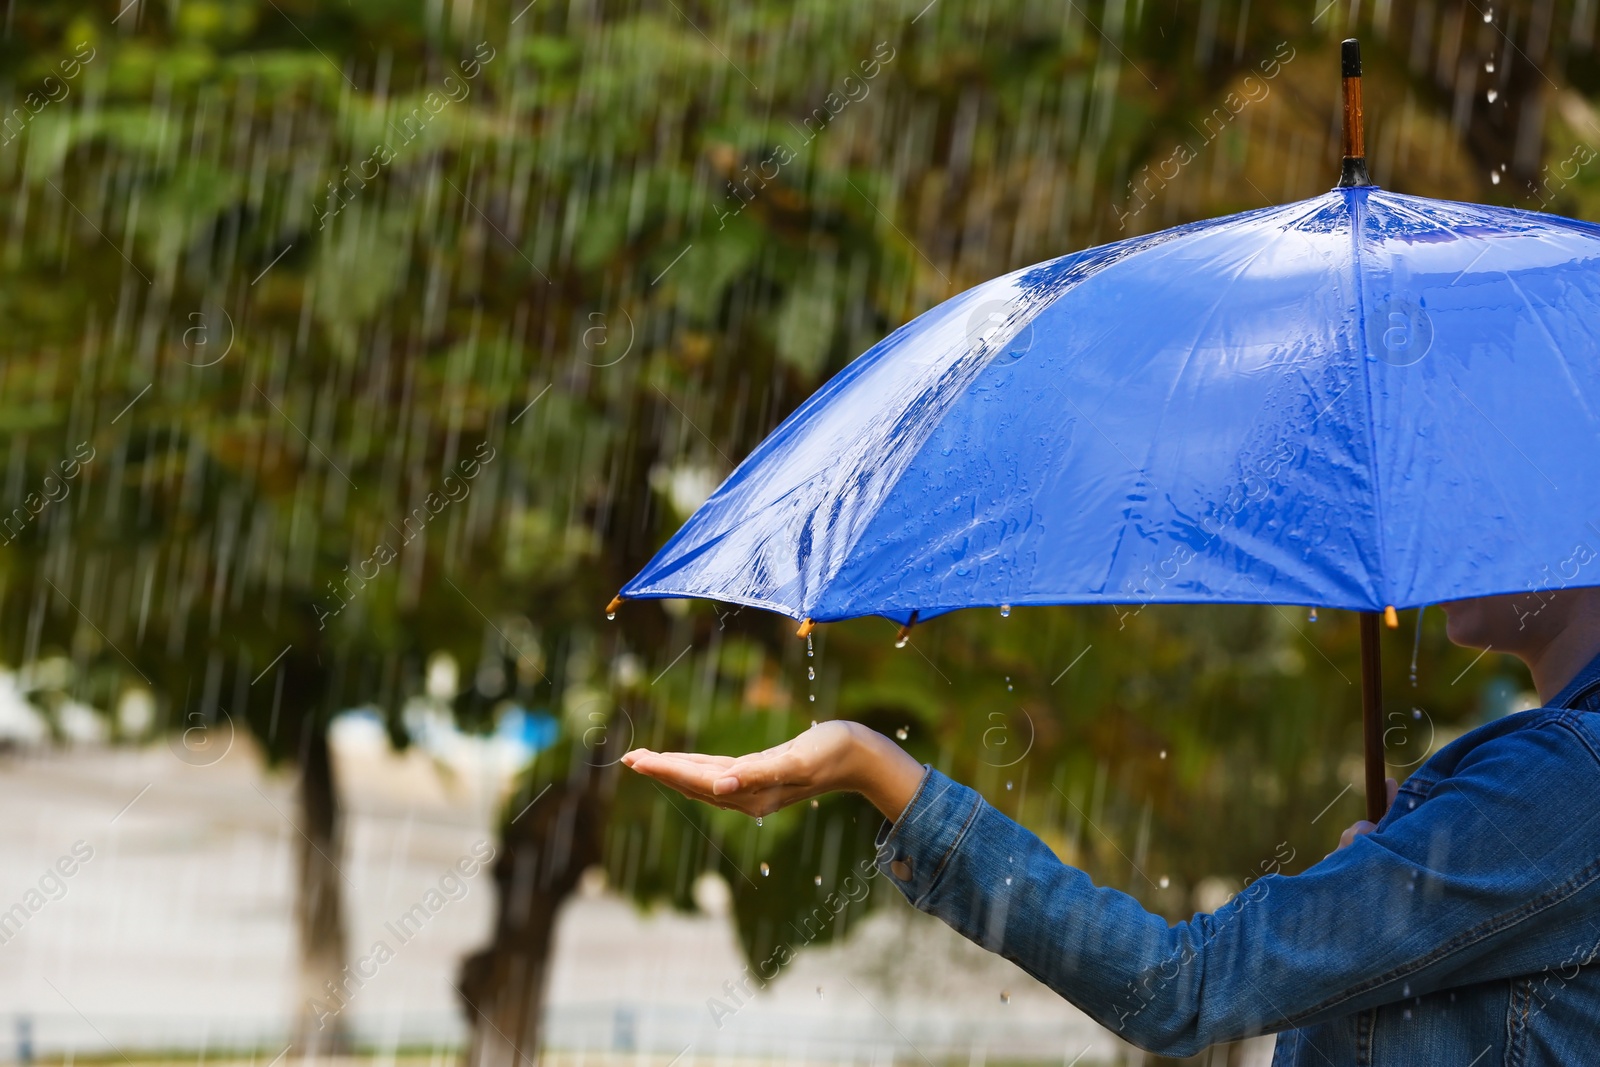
{"x":765,"y":870}
{"x":1005,"y":996}
{"x":1005,"y":611}
{"x":902,"y":733}
{"x":813,"y":723}
{"x":1164,"y":882}
{"x":1312,"y":615}
{"x":1493,"y":95}
{"x":816,"y":879}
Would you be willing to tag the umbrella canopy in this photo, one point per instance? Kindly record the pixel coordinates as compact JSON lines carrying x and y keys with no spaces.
{"x":1364,"y":400}
{"x":1359,"y":400}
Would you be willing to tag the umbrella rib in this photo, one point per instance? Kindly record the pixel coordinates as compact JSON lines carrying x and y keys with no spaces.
{"x":1357,"y":203}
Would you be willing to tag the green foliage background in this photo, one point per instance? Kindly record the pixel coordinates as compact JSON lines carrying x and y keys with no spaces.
{"x":560,"y":268}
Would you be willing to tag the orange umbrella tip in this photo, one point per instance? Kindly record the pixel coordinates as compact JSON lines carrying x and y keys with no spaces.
{"x":806,"y":626}
{"x":1391,"y":618}
{"x":611,"y":608}
{"x":904,"y":635}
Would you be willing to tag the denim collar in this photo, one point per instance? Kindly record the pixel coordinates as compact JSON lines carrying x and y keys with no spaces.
{"x":1583,"y":691}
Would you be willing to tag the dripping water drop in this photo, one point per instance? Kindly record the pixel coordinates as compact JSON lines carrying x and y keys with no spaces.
{"x":1493,"y":95}
{"x":765,"y":870}
{"x":902,"y":733}
{"x":1312,"y":615}
{"x":813,"y":800}
{"x":610,"y":615}
{"x":1005,"y":611}
{"x":1164,"y":882}
{"x":816,"y":879}
{"x":1005,"y":996}
{"x":811,"y":672}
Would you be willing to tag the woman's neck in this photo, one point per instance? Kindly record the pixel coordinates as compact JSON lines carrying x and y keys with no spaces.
{"x":1567,"y":653}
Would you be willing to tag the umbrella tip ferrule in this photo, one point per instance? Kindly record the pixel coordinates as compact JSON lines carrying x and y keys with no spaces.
{"x":806,"y":626}
{"x":904,"y":635}
{"x":1353,"y":170}
{"x":616,"y":602}
{"x":1350,"y":58}
{"x":1391,"y":618}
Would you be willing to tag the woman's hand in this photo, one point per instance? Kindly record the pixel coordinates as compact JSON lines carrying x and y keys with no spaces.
{"x":828,"y":757}
{"x":1363,"y":826}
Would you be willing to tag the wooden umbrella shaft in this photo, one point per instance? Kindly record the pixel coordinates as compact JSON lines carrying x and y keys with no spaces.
{"x":1372,"y":716}
{"x":1353,"y":169}
{"x":1354,"y":141}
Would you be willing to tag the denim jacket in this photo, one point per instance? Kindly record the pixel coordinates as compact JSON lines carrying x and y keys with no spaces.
{"x":1464,"y":930}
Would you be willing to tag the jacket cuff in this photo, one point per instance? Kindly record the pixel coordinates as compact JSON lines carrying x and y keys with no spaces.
{"x":914,"y":850}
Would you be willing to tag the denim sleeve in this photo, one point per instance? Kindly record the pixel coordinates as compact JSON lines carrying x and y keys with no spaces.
{"x":1492,"y":876}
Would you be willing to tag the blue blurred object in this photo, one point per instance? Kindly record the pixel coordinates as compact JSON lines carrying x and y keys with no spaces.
{"x":532,"y":730}
{"x":1359,"y":400}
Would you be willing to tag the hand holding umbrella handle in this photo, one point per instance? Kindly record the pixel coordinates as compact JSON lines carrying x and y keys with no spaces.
{"x":1366,"y":826}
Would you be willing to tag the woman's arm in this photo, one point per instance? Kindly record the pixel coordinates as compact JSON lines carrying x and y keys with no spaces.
{"x":1477,"y":883}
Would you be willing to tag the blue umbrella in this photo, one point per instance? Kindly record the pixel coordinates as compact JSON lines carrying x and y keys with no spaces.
{"x":1363,"y":400}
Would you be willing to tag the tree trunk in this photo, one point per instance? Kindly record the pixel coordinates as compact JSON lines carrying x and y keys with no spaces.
{"x":321,"y":1027}
{"x":544,"y":851}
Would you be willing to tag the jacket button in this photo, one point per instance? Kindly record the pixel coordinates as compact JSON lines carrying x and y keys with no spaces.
{"x":901,"y":869}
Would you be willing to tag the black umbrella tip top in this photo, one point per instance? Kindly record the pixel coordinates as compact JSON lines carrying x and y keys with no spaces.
{"x":1350,"y":58}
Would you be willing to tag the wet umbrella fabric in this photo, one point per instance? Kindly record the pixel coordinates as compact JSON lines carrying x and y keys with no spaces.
{"x":1359,"y":400}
